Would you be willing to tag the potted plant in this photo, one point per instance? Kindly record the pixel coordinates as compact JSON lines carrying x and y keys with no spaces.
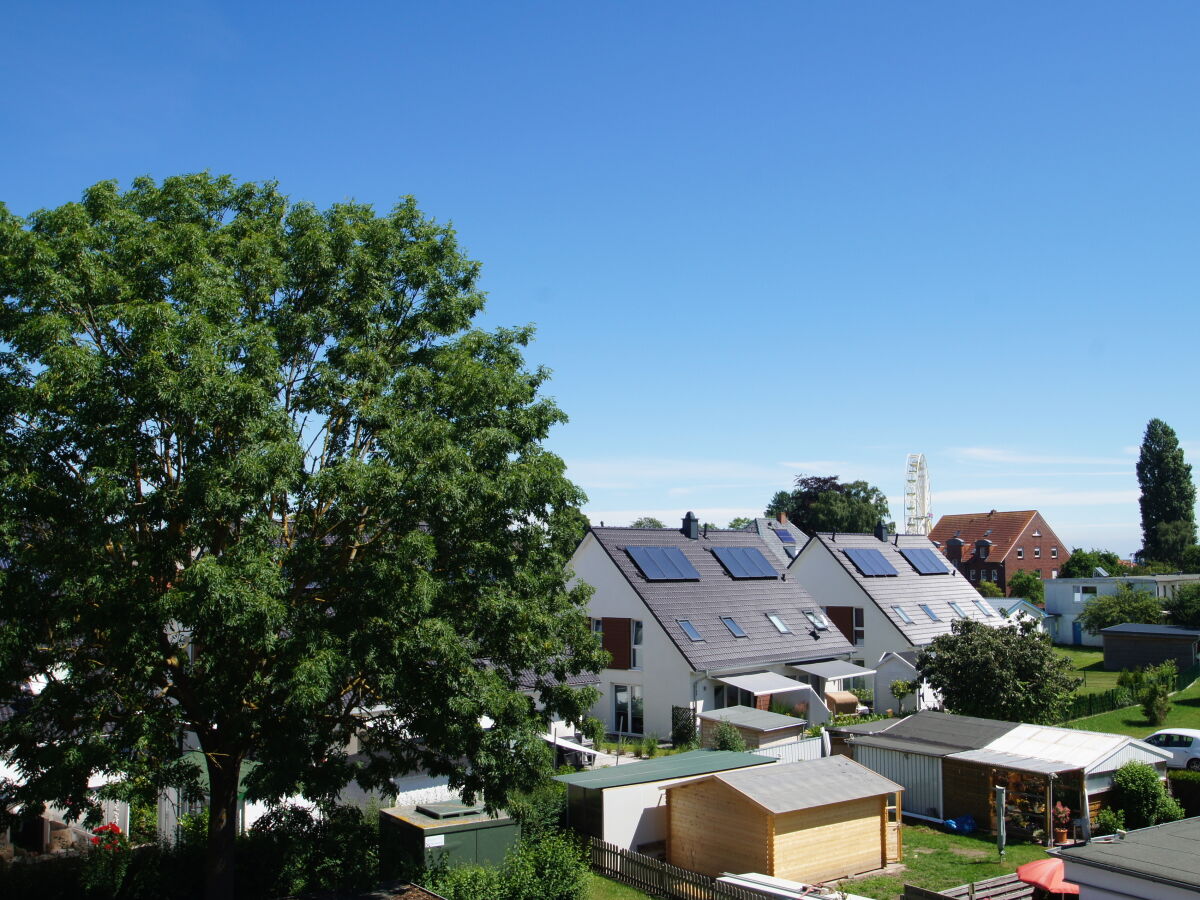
{"x":1062,"y":819}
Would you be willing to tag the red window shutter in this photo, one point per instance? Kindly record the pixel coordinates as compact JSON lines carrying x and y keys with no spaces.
{"x":616,"y":641}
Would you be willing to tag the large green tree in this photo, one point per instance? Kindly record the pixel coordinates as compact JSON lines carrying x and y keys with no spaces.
{"x":1083,"y":563}
{"x":1168,"y":498}
{"x":1009,"y":673}
{"x":822,"y":503}
{"x":1183,"y":606}
{"x":1126,"y":605}
{"x":1023,"y":583}
{"x":262,"y":483}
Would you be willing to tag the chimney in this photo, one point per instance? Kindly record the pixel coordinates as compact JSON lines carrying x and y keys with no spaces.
{"x":881,"y":531}
{"x":781,"y":517}
{"x":691,"y":526}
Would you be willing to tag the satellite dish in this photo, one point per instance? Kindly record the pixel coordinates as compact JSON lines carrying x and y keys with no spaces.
{"x":918,"y":519}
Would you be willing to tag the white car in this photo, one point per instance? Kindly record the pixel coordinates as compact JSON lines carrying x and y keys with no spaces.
{"x":1183,"y":744}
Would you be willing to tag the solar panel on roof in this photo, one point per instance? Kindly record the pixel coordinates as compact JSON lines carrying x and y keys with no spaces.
{"x":663,"y":564}
{"x":744,"y":562}
{"x":870,"y":563}
{"x":786,"y":536}
{"x":925,"y":561}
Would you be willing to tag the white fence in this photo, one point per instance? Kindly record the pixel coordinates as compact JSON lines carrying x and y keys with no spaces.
{"x":805,"y":748}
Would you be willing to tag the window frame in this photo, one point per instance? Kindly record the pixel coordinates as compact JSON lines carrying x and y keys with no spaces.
{"x":734,"y":628}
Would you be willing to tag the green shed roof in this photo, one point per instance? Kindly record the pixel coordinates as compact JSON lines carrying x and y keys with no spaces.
{"x":679,"y":765}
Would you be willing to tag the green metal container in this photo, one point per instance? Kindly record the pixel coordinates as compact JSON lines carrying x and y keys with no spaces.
{"x":462,"y":834}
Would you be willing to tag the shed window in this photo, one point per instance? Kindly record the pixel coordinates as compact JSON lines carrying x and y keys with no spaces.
{"x":734,"y":628}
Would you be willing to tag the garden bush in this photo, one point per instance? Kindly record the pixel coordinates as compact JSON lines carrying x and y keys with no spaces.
{"x":1185,"y":786}
{"x":726,"y":737}
{"x":1138,"y":793}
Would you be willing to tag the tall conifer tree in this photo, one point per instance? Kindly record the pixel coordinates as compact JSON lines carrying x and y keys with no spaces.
{"x":1168,"y":499}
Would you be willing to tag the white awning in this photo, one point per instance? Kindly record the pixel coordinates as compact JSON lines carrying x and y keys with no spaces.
{"x":835,"y":670}
{"x":759,"y":683}
{"x":569,"y":745}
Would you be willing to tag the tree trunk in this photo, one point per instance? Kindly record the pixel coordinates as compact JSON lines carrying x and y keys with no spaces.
{"x":223,"y":770}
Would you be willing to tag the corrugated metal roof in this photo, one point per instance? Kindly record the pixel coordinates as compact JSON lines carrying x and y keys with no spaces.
{"x":1081,"y":749}
{"x":804,"y":785}
{"x":755,"y":719}
{"x":1163,"y":852}
{"x":1014,"y":761}
{"x":716,"y":594}
{"x":679,"y":765}
{"x":907,"y":589}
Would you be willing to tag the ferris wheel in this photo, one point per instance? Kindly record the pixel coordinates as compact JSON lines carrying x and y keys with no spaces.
{"x":918,"y":518}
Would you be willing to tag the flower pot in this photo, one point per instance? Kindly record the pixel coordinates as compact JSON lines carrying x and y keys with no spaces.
{"x":1060,"y":835}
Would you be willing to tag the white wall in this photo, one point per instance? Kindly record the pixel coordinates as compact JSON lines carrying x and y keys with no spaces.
{"x":1099,"y":884}
{"x":665,"y":676}
{"x":823,"y":577}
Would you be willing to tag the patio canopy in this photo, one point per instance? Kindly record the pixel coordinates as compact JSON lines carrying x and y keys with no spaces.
{"x":759,"y":683}
{"x":568,"y":745}
{"x":835,"y":670}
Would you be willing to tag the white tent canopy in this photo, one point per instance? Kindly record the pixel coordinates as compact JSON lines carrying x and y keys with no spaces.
{"x":759,"y":683}
{"x":835,"y":670}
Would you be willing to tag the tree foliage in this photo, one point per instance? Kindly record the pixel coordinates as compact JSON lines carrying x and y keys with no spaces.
{"x":1083,"y":563}
{"x":727,"y":737}
{"x":822,"y":503}
{"x":261,"y":482}
{"x":1168,"y":500}
{"x":647,"y":522}
{"x":1184,"y":605}
{"x":1011,"y":672}
{"x":1026,"y":584}
{"x":739,"y":524}
{"x":1126,"y":605}
{"x":989,"y":589}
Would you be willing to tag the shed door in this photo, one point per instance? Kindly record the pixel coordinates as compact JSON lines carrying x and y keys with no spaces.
{"x":921,"y":777}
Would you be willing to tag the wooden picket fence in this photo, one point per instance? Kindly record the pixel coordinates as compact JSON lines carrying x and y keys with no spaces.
{"x":661,"y":879}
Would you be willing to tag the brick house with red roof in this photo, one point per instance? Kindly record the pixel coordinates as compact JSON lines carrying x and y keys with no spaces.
{"x":992,"y":546}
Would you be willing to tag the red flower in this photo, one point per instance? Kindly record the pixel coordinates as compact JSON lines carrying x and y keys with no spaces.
{"x":95,"y":840}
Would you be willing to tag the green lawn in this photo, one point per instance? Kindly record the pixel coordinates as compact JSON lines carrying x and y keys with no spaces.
{"x":936,"y":860}
{"x":1089,"y":663}
{"x":602,"y":888}
{"x":1185,"y":713}
{"x":933,"y":859}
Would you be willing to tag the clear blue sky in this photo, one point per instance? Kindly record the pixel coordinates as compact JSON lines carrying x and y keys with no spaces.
{"x":756,"y":239}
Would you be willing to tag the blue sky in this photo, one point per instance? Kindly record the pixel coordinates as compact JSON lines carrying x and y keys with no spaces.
{"x":756,"y":239}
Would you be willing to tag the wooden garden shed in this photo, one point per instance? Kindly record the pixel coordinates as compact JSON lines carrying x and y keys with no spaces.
{"x":625,"y":805}
{"x":1135,"y":646}
{"x":809,"y":821}
{"x":758,"y":727}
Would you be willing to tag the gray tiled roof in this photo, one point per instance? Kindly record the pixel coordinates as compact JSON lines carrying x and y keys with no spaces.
{"x":769,"y":529}
{"x":1163,"y":853}
{"x":804,"y":785}
{"x":716,"y":594}
{"x":907,"y":589}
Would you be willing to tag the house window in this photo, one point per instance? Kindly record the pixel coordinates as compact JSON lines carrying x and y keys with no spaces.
{"x":727,"y":695}
{"x":974,"y":576}
{"x":1054,"y":553}
{"x":1020,"y":553}
{"x":1054,"y":573}
{"x":1087,"y":592}
{"x":994,"y":578}
{"x":984,"y":607}
{"x":902,"y":615}
{"x":780,"y":625}
{"x":958,"y":610}
{"x":598,"y":627}
{"x":690,"y":630}
{"x":635,"y":644}
{"x":734,"y":628}
{"x":1037,"y":552}
{"x":627,"y":708}
{"x":860,"y":627}
{"x":933,"y":617}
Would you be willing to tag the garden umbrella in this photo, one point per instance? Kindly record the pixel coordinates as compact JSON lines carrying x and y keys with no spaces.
{"x":1048,"y":875}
